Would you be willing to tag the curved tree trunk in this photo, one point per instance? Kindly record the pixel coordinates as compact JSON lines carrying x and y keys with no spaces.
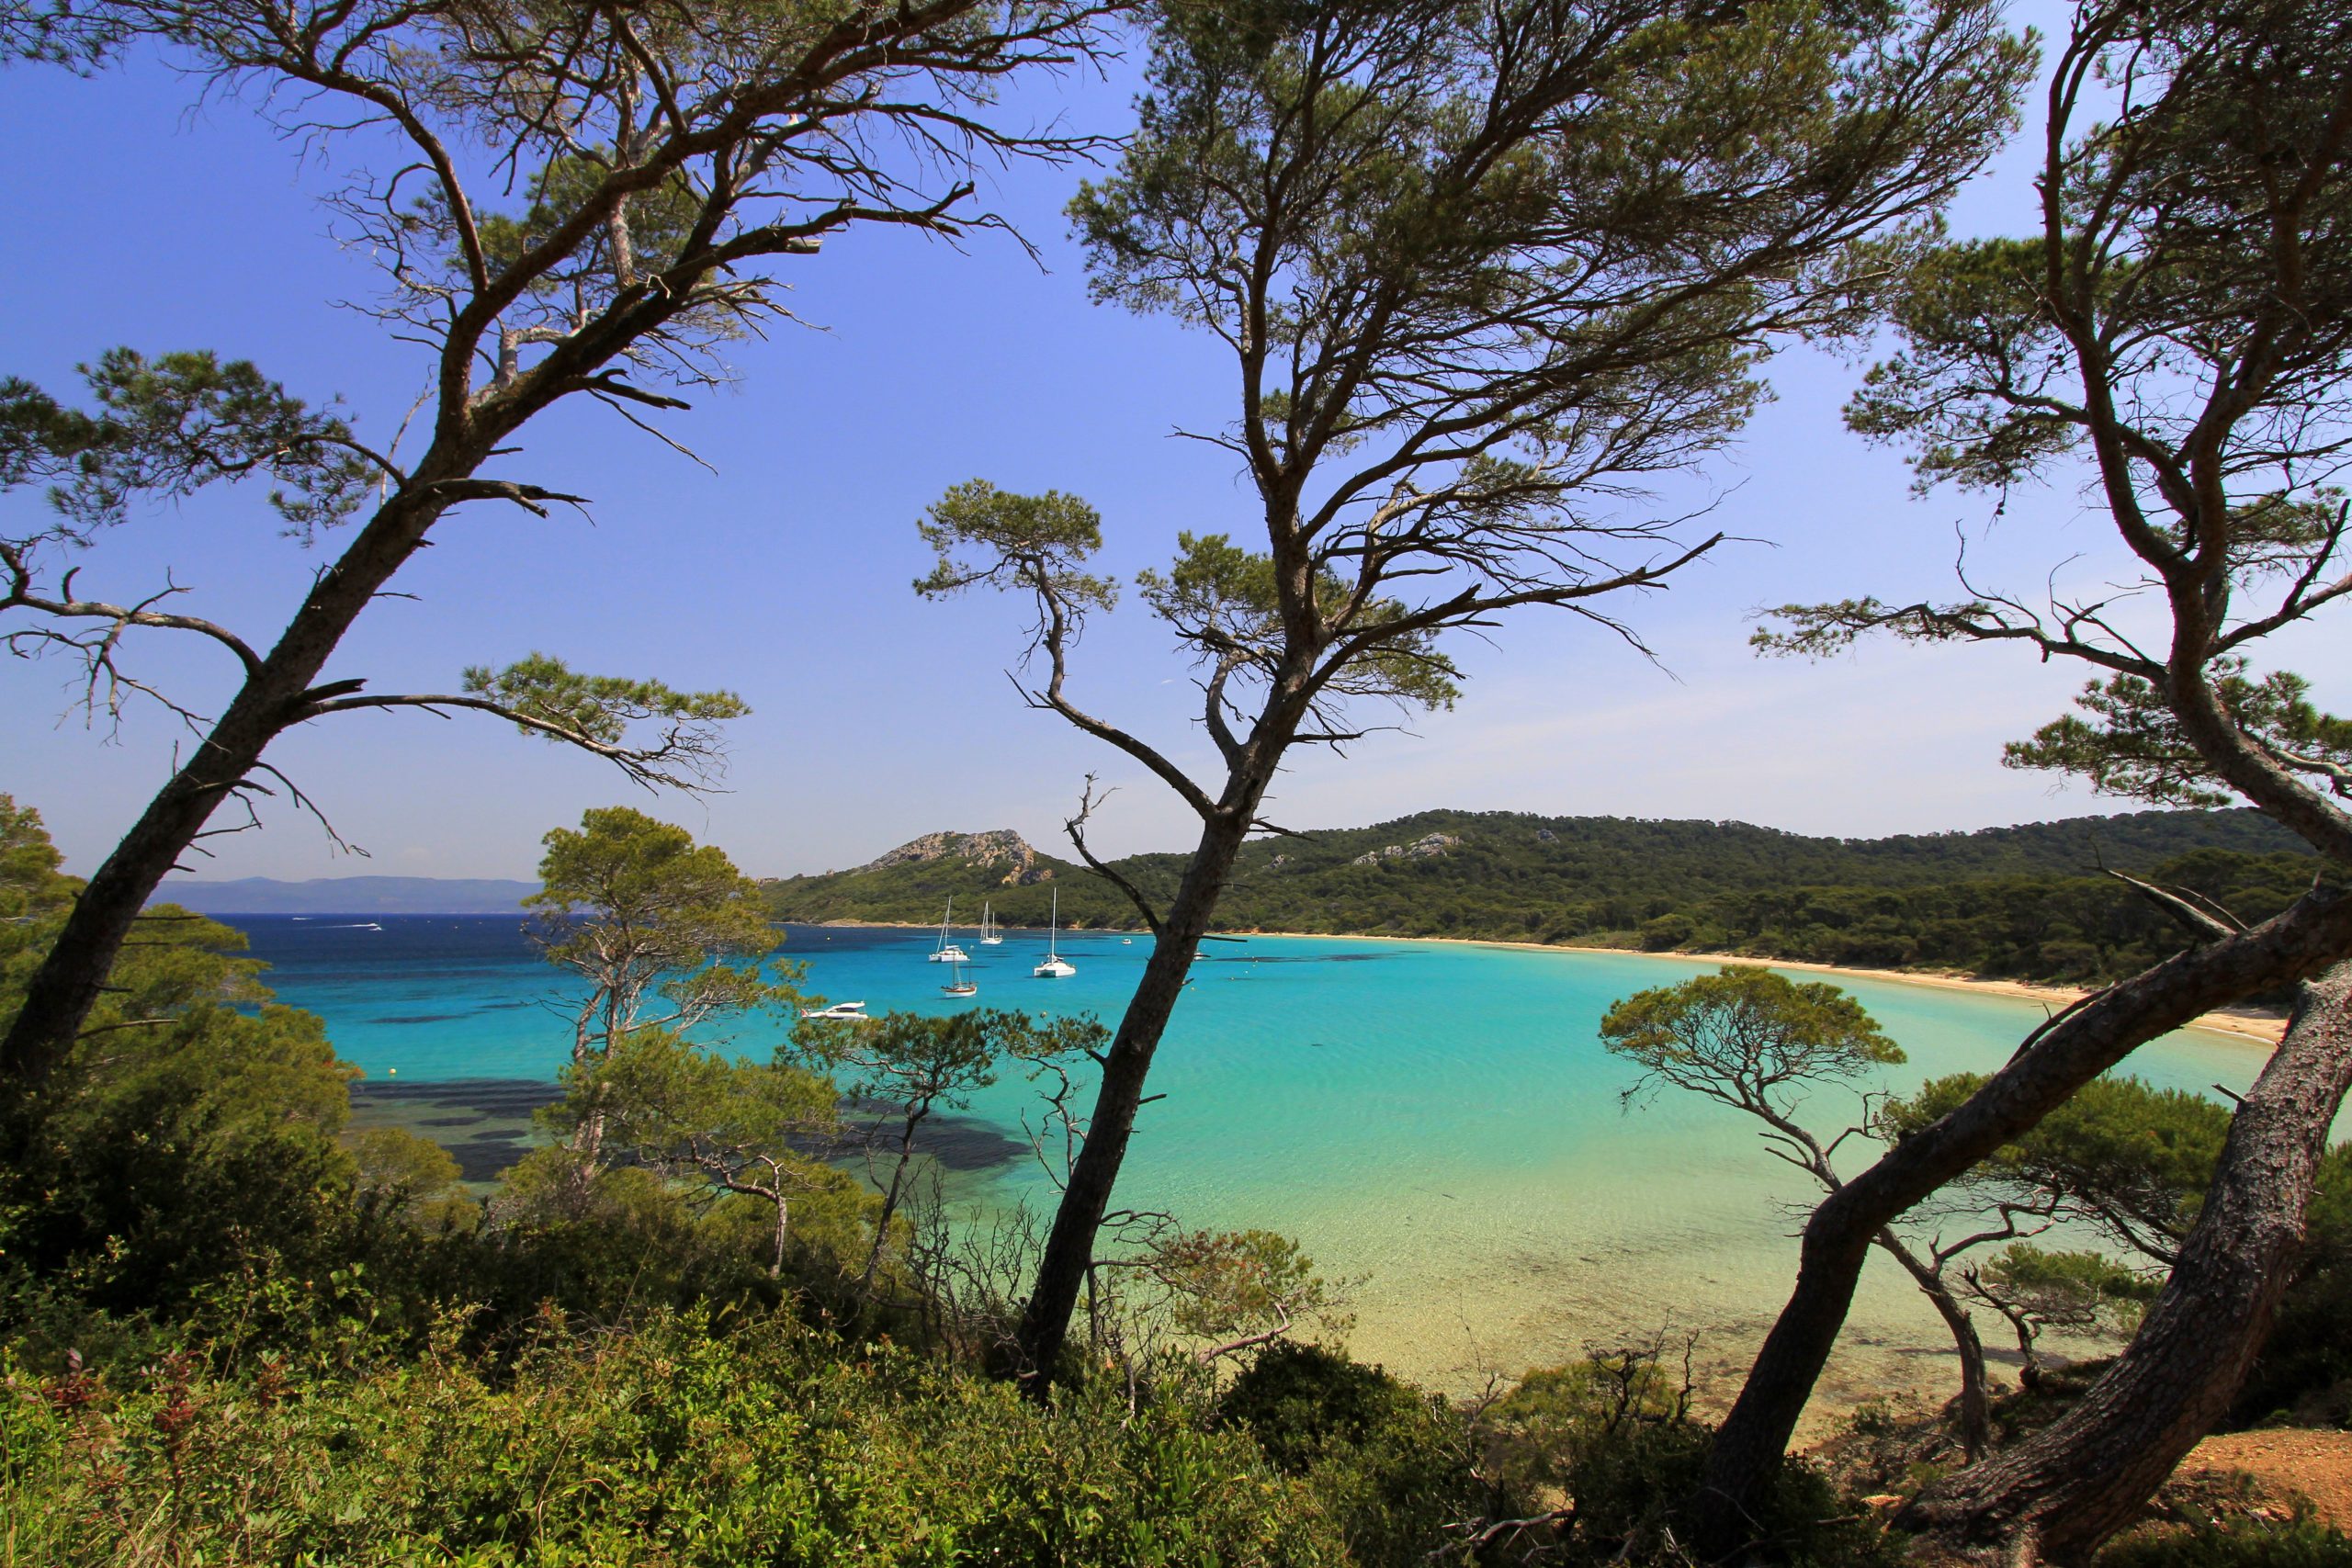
{"x":2075,"y":1048}
{"x":1068,"y":1258}
{"x":2090,"y":1473}
{"x":1975,"y":1391}
{"x":274,"y":698}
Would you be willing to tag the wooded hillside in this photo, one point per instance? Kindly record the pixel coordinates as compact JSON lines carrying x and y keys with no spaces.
{"x":2029,"y":901}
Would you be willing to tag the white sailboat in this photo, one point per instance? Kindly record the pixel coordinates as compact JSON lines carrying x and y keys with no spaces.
{"x":947,"y":952}
{"x":962,"y":985}
{"x":1055,"y":968}
{"x":990,"y":936}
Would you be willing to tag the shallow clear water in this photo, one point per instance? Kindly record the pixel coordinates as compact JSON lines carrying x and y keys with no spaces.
{"x":1438,"y":1120}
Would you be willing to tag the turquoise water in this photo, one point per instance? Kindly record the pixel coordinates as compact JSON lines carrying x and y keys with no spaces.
{"x":1436,"y":1120}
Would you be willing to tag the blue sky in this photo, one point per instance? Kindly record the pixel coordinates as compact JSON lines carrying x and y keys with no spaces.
{"x":137,"y":219}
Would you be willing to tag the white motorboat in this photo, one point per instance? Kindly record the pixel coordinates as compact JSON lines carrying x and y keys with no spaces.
{"x":1055,"y":968}
{"x":947,"y":952}
{"x":853,"y":1012}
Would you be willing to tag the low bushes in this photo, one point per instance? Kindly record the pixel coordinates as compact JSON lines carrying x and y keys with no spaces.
{"x":682,"y":1442}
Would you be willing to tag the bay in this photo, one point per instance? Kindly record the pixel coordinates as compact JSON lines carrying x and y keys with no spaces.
{"x":1436,"y":1121}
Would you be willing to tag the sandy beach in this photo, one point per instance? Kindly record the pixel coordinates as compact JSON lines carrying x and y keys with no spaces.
{"x":2248,"y":1025}
{"x":1469,"y":1167}
{"x":2252,"y":1026}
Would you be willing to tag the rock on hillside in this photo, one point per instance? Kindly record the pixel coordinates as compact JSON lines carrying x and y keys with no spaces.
{"x":999,"y":846}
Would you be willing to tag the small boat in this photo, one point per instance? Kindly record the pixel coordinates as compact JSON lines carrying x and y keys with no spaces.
{"x":1055,"y":968}
{"x":1127,"y":942}
{"x":962,"y":985}
{"x":990,"y":936}
{"x":947,"y":952}
{"x":853,"y":1012}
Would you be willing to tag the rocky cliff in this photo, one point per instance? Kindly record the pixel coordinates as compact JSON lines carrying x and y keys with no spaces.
{"x":999,"y":846}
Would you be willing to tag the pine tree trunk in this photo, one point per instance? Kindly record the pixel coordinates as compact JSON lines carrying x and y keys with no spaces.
{"x":61,"y":993}
{"x":1975,"y":1390}
{"x":2091,"y":1473}
{"x":1748,"y":1450}
{"x":1069,"y":1255}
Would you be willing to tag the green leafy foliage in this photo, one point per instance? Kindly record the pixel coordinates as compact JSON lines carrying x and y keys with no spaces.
{"x":1224,"y":604}
{"x":168,"y":426}
{"x":2065,"y":928}
{"x":909,"y":1067}
{"x":1746,"y":1036}
{"x":2128,"y":1159}
{"x":612,"y":1241}
{"x":2300,"y":1542}
{"x":2037,"y":1290}
{"x":686,"y":1443}
{"x":1234,"y":1285}
{"x":2132,"y":1164}
{"x":30,"y":887}
{"x":1387,"y":1463}
{"x":650,"y":918}
{"x":1556,"y":1419}
{"x":727,"y":1130}
{"x":983,"y":535}
{"x":401,"y":1173}
{"x":2070,"y":1290}
{"x":2009,"y":901}
{"x":600,"y":707}
{"x":192,"y":1141}
{"x":660,"y":223}
{"x":2131,"y":744}
{"x":2176,"y":320}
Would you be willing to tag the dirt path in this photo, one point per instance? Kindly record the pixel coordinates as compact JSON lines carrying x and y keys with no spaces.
{"x":2284,"y":1463}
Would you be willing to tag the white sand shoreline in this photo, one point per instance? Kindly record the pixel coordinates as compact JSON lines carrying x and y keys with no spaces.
{"x":2240,"y":1026}
{"x":2254,"y":1026}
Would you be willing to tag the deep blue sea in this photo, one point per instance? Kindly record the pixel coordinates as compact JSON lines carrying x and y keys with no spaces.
{"x":1435,"y":1120}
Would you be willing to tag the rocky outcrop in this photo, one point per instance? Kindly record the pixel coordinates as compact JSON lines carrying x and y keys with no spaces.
{"x":999,"y":846}
{"x":1422,"y":848}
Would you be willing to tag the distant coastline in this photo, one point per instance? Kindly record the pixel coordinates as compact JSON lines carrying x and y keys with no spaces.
{"x":2248,"y":1026}
{"x":350,"y":895}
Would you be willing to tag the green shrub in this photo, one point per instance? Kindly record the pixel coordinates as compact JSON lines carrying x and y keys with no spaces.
{"x":680,"y":1444}
{"x":2302,"y":1544}
{"x":1297,"y":1400}
{"x":1535,"y":1437}
{"x":1387,"y":1465}
{"x":1628,"y":1489}
{"x":1667,"y":931}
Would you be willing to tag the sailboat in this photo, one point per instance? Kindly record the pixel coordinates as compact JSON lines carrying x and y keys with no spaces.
{"x":947,"y":952}
{"x":962,"y":985}
{"x":1054,"y":968}
{"x":989,"y":935}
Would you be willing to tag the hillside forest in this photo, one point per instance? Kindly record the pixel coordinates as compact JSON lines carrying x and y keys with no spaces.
{"x":2028,"y":903}
{"x":1491,"y":291}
